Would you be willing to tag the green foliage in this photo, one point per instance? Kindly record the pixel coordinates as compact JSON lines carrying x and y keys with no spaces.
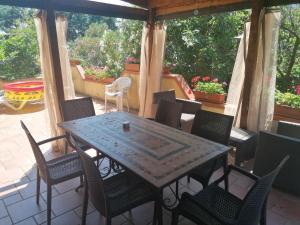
{"x":205,"y":44}
{"x":99,"y":73}
{"x":79,"y":23}
{"x":210,"y":87}
{"x":19,"y":52}
{"x":287,"y":99}
{"x":288,"y":68}
{"x":104,"y":47}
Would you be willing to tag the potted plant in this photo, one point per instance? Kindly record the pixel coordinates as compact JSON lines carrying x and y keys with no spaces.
{"x":98,"y":74}
{"x":132,"y":64}
{"x":209,"y":90}
{"x":287,"y":105}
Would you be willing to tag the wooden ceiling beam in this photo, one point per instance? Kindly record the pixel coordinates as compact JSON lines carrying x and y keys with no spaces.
{"x":198,"y":5}
{"x":35,"y":4}
{"x":101,"y":9}
{"x":84,"y":6}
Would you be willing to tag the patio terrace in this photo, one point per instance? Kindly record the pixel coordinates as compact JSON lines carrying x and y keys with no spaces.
{"x":18,"y":182}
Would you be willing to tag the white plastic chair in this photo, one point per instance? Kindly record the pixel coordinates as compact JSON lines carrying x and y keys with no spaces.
{"x":118,"y":89}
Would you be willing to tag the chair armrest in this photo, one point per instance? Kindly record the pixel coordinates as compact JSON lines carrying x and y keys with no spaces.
{"x":238,"y":169}
{"x":108,"y":87}
{"x":215,"y":215}
{"x":189,"y":106}
{"x":51,"y":139}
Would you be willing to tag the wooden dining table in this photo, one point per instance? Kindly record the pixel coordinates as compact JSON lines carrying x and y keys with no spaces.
{"x":157,"y":153}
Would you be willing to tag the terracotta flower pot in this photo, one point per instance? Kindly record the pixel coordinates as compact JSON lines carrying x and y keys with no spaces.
{"x":214,"y":98}
{"x":132,"y":67}
{"x":107,"y":80}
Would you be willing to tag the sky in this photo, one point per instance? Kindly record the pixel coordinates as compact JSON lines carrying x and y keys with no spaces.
{"x":115,"y":2}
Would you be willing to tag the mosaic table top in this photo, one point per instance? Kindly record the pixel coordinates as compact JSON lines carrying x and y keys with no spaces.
{"x":155,"y":152}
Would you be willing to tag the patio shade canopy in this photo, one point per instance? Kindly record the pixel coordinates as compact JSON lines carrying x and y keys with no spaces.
{"x":140,"y":10}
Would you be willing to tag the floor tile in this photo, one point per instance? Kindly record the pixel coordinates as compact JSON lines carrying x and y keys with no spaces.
{"x":68,"y":185}
{"x":3,"y":211}
{"x":96,"y":218}
{"x":42,"y":217}
{"x":5,"y":221}
{"x":29,"y":189}
{"x":12,"y":199}
{"x":24,"y":209}
{"x":69,"y":218}
{"x":66,"y":202}
{"x":29,"y":221}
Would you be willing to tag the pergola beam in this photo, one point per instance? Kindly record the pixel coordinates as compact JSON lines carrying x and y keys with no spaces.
{"x":84,"y":6}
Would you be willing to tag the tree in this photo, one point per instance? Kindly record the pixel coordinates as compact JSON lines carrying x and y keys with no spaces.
{"x":205,"y":45}
{"x":288,"y":69}
{"x":79,"y":23}
{"x":19,"y":52}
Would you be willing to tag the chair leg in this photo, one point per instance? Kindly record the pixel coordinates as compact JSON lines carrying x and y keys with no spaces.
{"x":263,"y":218}
{"x":188,"y":179}
{"x":224,"y":170}
{"x":105,"y":102}
{"x":80,"y":185}
{"x":85,"y":205}
{"x":159,"y":209}
{"x":175,"y":216}
{"x":108,"y":220}
{"x":127,"y":103}
{"x":155,"y":214}
{"x":38,"y":185}
{"x":49,"y":198}
{"x":98,"y":160}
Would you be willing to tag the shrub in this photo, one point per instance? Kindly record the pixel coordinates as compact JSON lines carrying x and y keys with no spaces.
{"x":287,"y":99}
{"x":210,"y":87}
{"x":19,"y":53}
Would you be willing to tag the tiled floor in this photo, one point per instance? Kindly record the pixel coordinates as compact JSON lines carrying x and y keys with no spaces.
{"x":17,"y":183}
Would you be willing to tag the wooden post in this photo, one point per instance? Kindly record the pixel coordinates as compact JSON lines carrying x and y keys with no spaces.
{"x":54,"y":50}
{"x":251,"y":60}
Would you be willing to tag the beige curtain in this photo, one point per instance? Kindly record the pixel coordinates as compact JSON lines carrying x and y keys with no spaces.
{"x":51,"y":100}
{"x":61,"y":28}
{"x":151,"y":66}
{"x":233,"y":103}
{"x":261,"y":107}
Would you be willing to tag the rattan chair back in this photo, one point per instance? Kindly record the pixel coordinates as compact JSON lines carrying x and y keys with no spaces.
{"x":213,"y":126}
{"x":168,"y":113}
{"x":93,"y":180}
{"x":164,"y":95}
{"x":39,"y":157}
{"x":77,"y":108}
{"x":289,"y":129}
{"x":254,"y":201}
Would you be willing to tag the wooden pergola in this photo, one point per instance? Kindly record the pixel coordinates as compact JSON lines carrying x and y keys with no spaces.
{"x":151,"y":11}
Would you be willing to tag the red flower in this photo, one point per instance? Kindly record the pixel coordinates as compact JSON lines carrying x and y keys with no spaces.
{"x":206,"y":78}
{"x":195,"y":79}
{"x":215,"y":80}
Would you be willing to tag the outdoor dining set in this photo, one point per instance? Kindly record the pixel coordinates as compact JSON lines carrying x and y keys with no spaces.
{"x":146,"y":156}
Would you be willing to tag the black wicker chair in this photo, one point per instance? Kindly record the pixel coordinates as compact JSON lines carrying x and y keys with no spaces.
{"x":216,"y":206}
{"x":53,"y":171}
{"x":168,"y":113}
{"x":289,"y":129}
{"x":117,"y":194}
{"x":273,"y":147}
{"x":77,"y":109}
{"x":189,"y":107}
{"x":215,"y":127}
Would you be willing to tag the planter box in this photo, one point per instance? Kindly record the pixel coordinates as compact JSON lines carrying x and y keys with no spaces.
{"x":132,"y":67}
{"x":214,"y":98}
{"x":286,"y":111}
{"x":108,"y":80}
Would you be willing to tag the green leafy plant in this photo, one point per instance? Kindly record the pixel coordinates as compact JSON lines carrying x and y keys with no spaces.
{"x":210,"y":87}
{"x":287,"y":99}
{"x":99,"y":73}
